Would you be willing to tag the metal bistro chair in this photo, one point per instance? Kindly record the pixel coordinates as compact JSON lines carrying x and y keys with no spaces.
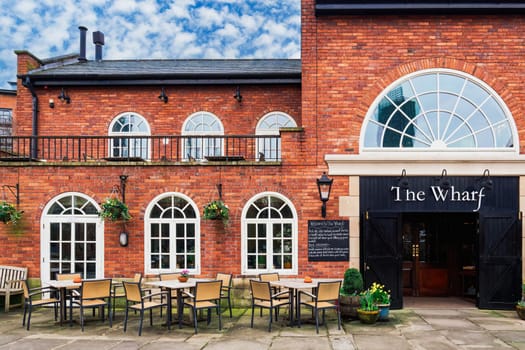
{"x":263,"y":298}
{"x":207,"y":296}
{"x":137,"y":301}
{"x":226,"y":279}
{"x":36,"y":297}
{"x":326,"y":297}
{"x":93,"y":294}
{"x":119,"y":292}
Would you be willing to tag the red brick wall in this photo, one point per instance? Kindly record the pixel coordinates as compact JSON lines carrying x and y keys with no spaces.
{"x":90,"y":112}
{"x":349,"y":60}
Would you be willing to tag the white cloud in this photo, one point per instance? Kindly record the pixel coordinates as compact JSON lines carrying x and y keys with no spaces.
{"x":144,"y":29}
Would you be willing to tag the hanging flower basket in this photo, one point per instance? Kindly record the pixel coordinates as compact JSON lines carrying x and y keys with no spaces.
{"x":9,"y":213}
{"x":216,"y":210}
{"x":114,"y":209}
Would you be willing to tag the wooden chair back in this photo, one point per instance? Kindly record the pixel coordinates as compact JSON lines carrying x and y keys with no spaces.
{"x":260,"y":290}
{"x":226,"y":279}
{"x":67,"y":276}
{"x":269,"y":277}
{"x":137,"y":277}
{"x":209,"y":290}
{"x":169,"y":276}
{"x":328,"y":291}
{"x":96,"y":289}
{"x":133,"y":291}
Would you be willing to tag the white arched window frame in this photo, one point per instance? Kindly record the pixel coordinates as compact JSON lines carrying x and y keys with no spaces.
{"x":129,"y":124}
{"x":204,"y":129}
{"x":270,"y":124}
{"x":269,"y":235}
{"x":172,"y":234}
{"x":72,"y":237}
{"x":439,"y":110}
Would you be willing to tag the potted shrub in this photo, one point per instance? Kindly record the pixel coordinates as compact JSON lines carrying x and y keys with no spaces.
{"x":520,"y":306}
{"x":350,"y":299}
{"x":216,"y":210}
{"x":368,"y":312}
{"x":114,"y":209}
{"x":381,"y":299}
{"x":9,"y":213}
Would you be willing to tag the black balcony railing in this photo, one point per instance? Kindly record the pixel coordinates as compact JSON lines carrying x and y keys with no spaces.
{"x":141,"y":148}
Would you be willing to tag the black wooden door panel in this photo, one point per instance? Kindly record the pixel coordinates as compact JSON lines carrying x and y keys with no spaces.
{"x":382,"y":249}
{"x":499,"y":260}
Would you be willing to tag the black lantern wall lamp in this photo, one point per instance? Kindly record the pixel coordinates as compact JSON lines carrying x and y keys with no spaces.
{"x":324,"y":186}
{"x":163,"y":97}
{"x":402,"y":181}
{"x":64,"y":97}
{"x":238,"y":95}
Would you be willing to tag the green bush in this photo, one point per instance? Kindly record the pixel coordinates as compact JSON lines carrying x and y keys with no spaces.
{"x":352,"y":282}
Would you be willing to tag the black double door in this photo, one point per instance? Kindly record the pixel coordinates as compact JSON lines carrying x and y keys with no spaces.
{"x":473,"y":255}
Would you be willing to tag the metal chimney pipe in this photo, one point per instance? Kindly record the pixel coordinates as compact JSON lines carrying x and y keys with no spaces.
{"x":82,"y":56}
{"x":98,"y":40}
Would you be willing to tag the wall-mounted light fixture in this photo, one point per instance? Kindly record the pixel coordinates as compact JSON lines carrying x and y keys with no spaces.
{"x":485,"y":180}
{"x":64,"y":97}
{"x":238,"y":95}
{"x":123,"y":179}
{"x":123,"y":239}
{"x":444,"y":182}
{"x":402,"y":181}
{"x":163,"y":97}
{"x":324,"y":186}
{"x":51,"y":103}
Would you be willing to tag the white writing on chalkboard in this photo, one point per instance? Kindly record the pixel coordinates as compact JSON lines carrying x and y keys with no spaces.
{"x":328,"y":240}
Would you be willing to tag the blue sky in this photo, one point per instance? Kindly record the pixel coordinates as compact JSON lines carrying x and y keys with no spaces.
{"x":146,"y":29}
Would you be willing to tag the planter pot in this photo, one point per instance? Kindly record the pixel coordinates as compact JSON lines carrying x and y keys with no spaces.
{"x":349,"y":305}
{"x":183,"y":279}
{"x":368,"y":317}
{"x":384,"y":310}
{"x":520,"y":310}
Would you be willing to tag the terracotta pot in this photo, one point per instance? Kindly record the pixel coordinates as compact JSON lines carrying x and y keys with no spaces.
{"x":183,"y":279}
{"x":368,"y":317}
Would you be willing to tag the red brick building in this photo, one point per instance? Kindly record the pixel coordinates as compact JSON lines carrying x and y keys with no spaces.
{"x":413,"y":109}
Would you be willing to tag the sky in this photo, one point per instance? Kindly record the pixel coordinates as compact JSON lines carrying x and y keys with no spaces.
{"x":149,"y":29}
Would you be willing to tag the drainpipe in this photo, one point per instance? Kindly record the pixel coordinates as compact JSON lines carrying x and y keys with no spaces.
{"x":34,"y":150}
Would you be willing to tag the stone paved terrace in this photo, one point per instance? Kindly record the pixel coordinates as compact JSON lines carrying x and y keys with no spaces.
{"x":420,"y":325}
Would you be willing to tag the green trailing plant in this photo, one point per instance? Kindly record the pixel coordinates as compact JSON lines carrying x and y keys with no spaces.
{"x":216,"y":210}
{"x":9,"y":213}
{"x":113,"y":209}
{"x":352,"y":282}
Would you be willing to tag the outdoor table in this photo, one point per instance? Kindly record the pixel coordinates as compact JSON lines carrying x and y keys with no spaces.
{"x":294,"y":285}
{"x":62,"y":286}
{"x":179,"y":287}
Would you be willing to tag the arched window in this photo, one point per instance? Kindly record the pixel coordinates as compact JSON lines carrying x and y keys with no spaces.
{"x":72,"y":237}
{"x":172,"y":234}
{"x":439,"y":110}
{"x":203,"y":127}
{"x":269,"y":235}
{"x":134,"y":145}
{"x":270,"y":148}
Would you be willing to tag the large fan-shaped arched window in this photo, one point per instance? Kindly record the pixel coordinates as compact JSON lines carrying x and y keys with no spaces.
{"x":204,"y":127}
{"x":439,"y":110}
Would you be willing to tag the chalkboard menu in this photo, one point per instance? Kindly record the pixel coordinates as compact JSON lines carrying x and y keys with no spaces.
{"x":328,"y":240}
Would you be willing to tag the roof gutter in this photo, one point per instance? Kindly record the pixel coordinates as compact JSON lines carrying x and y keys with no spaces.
{"x":29,"y":85}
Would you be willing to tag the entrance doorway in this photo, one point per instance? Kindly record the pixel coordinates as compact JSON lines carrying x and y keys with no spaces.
{"x":439,"y":254}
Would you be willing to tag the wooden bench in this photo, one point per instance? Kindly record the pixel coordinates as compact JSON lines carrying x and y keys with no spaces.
{"x":11,"y":278}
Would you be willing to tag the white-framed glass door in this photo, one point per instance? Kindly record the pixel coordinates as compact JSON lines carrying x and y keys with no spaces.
{"x":72,"y":237}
